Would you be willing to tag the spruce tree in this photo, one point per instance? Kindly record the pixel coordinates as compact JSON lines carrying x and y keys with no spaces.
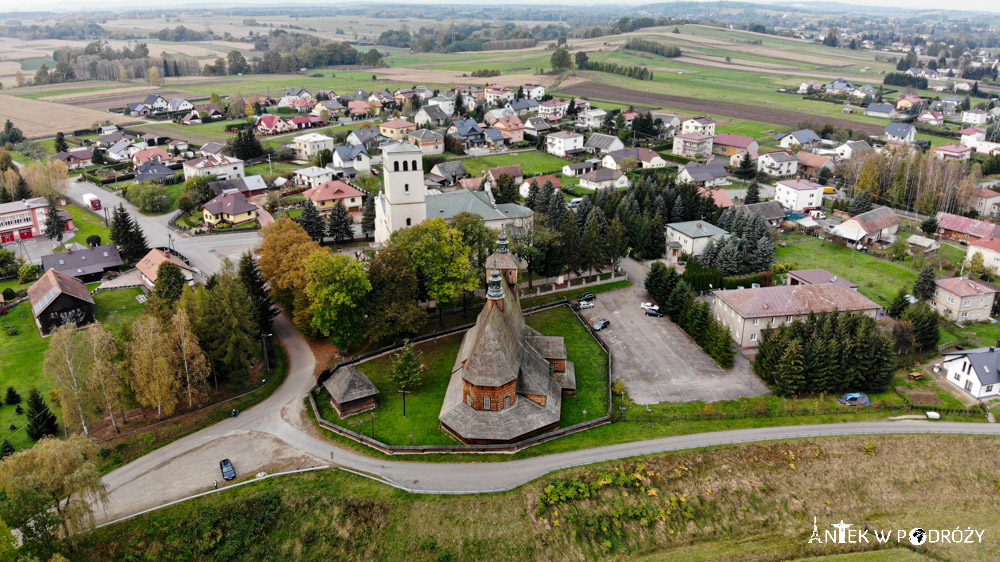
{"x":5,"y":196}
{"x":656,"y":283}
{"x":253,"y":281}
{"x":6,"y":449}
{"x":544,"y":197}
{"x":925,"y":326}
{"x":729,"y":260}
{"x":312,"y":222}
{"x":862,"y":203}
{"x":592,"y":244}
{"x":533,"y":191}
{"x":12,"y":397}
{"x":898,"y":304}
{"x":556,"y":210}
{"x":929,"y":226}
{"x":368,"y":215}
{"x":678,"y":298}
{"x":55,"y":223}
{"x":60,"y":144}
{"x":41,"y":420}
{"x":789,"y":376}
{"x":746,"y":170}
{"x":340,"y":225}
{"x":657,"y":239}
{"x":763,"y":255}
{"x":21,"y":190}
{"x":753,"y":194}
{"x":570,"y":244}
{"x":926,"y":284}
{"x":677,"y":211}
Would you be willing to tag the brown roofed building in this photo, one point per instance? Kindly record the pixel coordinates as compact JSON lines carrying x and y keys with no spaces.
{"x":149,"y":267}
{"x":965,"y":228}
{"x":748,"y":312}
{"x":514,"y":171}
{"x":508,"y":379}
{"x":57,"y":299}
{"x":351,"y":392}
{"x":230,"y":207}
{"x":327,"y":195}
{"x":881,"y":223}
{"x":960,"y":299}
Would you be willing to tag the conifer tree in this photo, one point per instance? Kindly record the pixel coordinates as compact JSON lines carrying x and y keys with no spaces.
{"x":260,"y":298}
{"x":925,"y":326}
{"x":12,"y":397}
{"x":55,"y":223}
{"x":21,"y":189}
{"x":678,"y":298}
{"x":312,"y":222}
{"x":341,"y":225}
{"x":5,"y":196}
{"x":368,"y":216}
{"x":41,"y":420}
{"x":789,"y":376}
{"x":898,"y":304}
{"x":533,"y":191}
{"x":753,"y":194}
{"x":6,"y":449}
{"x":926,"y":284}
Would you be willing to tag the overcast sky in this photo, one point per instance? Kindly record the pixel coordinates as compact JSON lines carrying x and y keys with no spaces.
{"x":21,"y":5}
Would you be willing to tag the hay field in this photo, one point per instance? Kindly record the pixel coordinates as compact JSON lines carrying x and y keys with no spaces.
{"x":39,"y":119}
{"x":440,"y":76}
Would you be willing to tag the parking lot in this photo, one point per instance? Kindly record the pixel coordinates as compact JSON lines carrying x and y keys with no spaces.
{"x":657,"y":360}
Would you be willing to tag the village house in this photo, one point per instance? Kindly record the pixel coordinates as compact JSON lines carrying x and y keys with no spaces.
{"x":498,"y":95}
{"x":700,"y":125}
{"x":818,"y":277}
{"x":975,"y":117}
{"x":222,"y":167}
{"x":704,"y":175}
{"x":805,"y":139}
{"x":718,"y":195}
{"x":988,"y":248}
{"x":230,"y":207}
{"x":963,"y":300}
{"x":799,"y":194}
{"x":308,"y":146}
{"x":564,"y":144}
{"x":469,"y":132}
{"x":249,"y":186}
{"x":737,"y":159}
{"x":76,"y":158}
{"x":692,"y":145}
{"x":838,"y":87}
{"x":533,"y":91}
{"x":646,"y":158}
{"x":211,"y":148}
{"x":352,"y":156}
{"x":124,"y":150}
{"x":878,"y":224}
{"x":495,"y":139}
{"x":809,"y":87}
{"x":368,"y":137}
{"x":523,"y":107}
{"x":813,"y":164}
{"x":492,"y":115}
{"x":445,"y":104}
{"x":601,"y":144}
{"x":779,"y":163}
{"x":313,"y":176}
{"x":525,"y":188}
{"x":728,"y":144}
{"x":882,"y":110}
{"x":86,"y":264}
{"x":514,"y":171}
{"x":900,"y":132}
{"x":453,"y":171}
{"x":396,"y":129}
{"x":972,"y":136}
{"x":428,"y":141}
{"x":273,"y":125}
{"x":671,"y":123}
{"x":328,"y":108}
{"x":590,"y":119}
{"x":748,"y":312}
{"x":850,"y":149}
{"x":153,"y":170}
{"x":553,"y":110}
{"x":975,"y":371}
{"x":953,"y":152}
{"x":932,"y":118}
{"x":579,"y":168}
{"x":965,"y":229}
{"x":603,"y":178}
{"x":328,"y":195}
{"x":305,"y":122}
{"x":984,"y":202}
{"x":151,"y":154}
{"x":57,"y":299}
{"x":149,"y":267}
{"x":770,"y":211}
{"x":693,"y":236}
{"x":431,"y":116}
{"x":906,"y":102}
{"x":511,"y":127}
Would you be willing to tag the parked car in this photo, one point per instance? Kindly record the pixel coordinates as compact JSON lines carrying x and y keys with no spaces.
{"x":653,"y":312}
{"x":586,"y":304}
{"x":228,"y":472}
{"x":857,"y":399}
{"x":649,"y":306}
{"x":587,"y":297}
{"x":601,"y":324}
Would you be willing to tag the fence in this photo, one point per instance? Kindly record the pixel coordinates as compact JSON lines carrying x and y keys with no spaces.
{"x":482,"y":448}
{"x":648,"y":417}
{"x":575,"y":283}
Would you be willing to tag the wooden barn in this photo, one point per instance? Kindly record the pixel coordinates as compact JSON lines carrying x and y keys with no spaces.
{"x":351,"y":392}
{"x":58,"y":299}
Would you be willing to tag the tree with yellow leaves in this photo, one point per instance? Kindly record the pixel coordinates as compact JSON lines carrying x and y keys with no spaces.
{"x":191,"y":362}
{"x":105,"y":372}
{"x":153,"y":374}
{"x":66,"y":364}
{"x":153,"y":76}
{"x":46,"y":178}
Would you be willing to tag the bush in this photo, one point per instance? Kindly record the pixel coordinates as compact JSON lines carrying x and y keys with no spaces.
{"x":10,"y":329}
{"x":28,"y":272}
{"x":9,"y":294}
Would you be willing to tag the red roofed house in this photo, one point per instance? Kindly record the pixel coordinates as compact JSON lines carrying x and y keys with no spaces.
{"x":525,"y":187}
{"x":986,"y":202}
{"x":514,"y":171}
{"x":396,"y":128}
{"x":230,"y":207}
{"x":989,"y":248}
{"x":933,"y":118}
{"x":21,"y":220}
{"x":719,"y":195}
{"x":812,"y":164}
{"x":511,"y":127}
{"x":363,"y":107}
{"x":272,"y":125}
{"x":553,"y":110}
{"x":748,"y":312}
{"x":960,"y":299}
{"x":147,"y":154}
{"x":953,"y":152}
{"x":328,"y":194}
{"x":965,"y":228}
{"x":149,"y":267}
{"x":306,"y":122}
{"x":728,"y":144}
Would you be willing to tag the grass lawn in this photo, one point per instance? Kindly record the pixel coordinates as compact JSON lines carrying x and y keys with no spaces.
{"x":533,"y":162}
{"x":21,"y":356}
{"x":86,"y":224}
{"x":972,"y":335}
{"x":878,"y":279}
{"x":423,"y":406}
{"x":192,"y":220}
{"x":275,"y":168}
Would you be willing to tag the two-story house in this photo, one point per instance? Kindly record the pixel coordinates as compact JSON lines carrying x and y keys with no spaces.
{"x":693,"y":145}
{"x":799,"y":194}
{"x":564,"y":143}
{"x":962,"y":300}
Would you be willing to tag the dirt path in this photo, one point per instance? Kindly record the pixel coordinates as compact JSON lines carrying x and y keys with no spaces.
{"x":696,"y":105}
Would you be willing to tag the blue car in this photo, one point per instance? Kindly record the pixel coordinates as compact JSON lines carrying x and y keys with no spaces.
{"x":228,"y":472}
{"x":601,"y":324}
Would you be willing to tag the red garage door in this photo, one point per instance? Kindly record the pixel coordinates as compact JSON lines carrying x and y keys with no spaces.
{"x":26,"y":233}
{"x":6,"y":237}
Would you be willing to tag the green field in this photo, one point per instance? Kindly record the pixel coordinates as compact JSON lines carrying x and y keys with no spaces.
{"x":532,"y":163}
{"x":22,"y":356}
{"x":86,"y":224}
{"x":878,"y":279}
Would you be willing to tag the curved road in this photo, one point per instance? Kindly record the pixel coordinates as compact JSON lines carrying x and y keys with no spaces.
{"x":278,"y":431}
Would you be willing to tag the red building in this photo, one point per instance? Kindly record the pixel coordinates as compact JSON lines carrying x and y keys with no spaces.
{"x":25,"y":219}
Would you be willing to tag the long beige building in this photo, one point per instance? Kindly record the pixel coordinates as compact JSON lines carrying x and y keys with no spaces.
{"x":960,"y":299}
{"x":748,"y":312}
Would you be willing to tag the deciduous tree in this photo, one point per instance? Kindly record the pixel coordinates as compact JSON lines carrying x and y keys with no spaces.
{"x":105,"y":376}
{"x":66,"y":365}
{"x":191,"y":362}
{"x":393,"y":298}
{"x":338,"y":288}
{"x":153,"y":373}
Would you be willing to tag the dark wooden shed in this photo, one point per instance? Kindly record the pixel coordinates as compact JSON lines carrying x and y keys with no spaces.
{"x":351,"y":392}
{"x":58,"y":299}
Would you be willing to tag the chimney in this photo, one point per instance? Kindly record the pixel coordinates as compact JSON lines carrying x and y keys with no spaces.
{"x":69,"y":250}
{"x":765,"y":306}
{"x":166,"y":252}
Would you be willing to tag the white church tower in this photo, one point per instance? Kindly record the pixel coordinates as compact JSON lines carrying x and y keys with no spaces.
{"x":403,"y":201}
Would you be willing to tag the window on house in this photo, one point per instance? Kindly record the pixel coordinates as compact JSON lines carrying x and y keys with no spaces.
{"x":989,"y":388}
{"x":506,"y":401}
{"x":395,"y":166}
{"x":956,"y":376}
{"x":965,"y":315}
{"x":788,"y":319}
{"x":951,"y":300}
{"x":935,"y":292}
{"x":406,"y":187}
{"x":968,"y":384}
{"x":756,"y":321}
{"x":408,"y":221}
{"x":486,"y":403}
{"x":753,"y":337}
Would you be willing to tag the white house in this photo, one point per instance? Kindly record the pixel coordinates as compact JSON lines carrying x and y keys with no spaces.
{"x":308,"y":146}
{"x":179,"y":104}
{"x":533,"y":91}
{"x":218,"y":165}
{"x":975,"y":371}
{"x":563,"y":143}
{"x":446,"y":104}
{"x":603,"y":178}
{"x":779,"y":163}
{"x":849,"y":149}
{"x":553,"y":110}
{"x":599,"y":143}
{"x":900,"y":132}
{"x":431,"y":115}
{"x":701,"y":125}
{"x":972,"y":136}
{"x":646,"y":158}
{"x":804,"y":138}
{"x":313,"y":176}
{"x":883,"y":110}
{"x":953,"y":152}
{"x":705,"y":175}
{"x":799,"y":194}
{"x":590,"y":119}
{"x":351,"y":156}
{"x":975,"y":117}
{"x":693,"y":236}
{"x":671,"y":123}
